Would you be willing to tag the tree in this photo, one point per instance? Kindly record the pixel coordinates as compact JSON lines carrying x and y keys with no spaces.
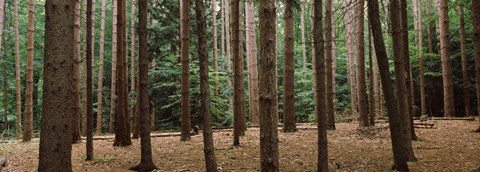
{"x":267,"y":86}
{"x":361,"y":89}
{"x":476,"y":37}
{"x":5,"y":114}
{"x":18,"y":127}
{"x":399,"y":156}
{"x":288,"y":69}
{"x":448,"y":100}
{"x":28,"y":130}
{"x":322,"y":156}
{"x":463,"y":44}
{"x":371,"y":96}
{"x":76,"y":137}
{"x":208,"y":150}
{"x":55,"y":153}
{"x":89,"y":82}
{"x":330,"y":110}
{"x":185,"y":37}
{"x":419,"y":14}
{"x":238,"y":81}
{"x":349,"y":18}
{"x":122,"y":132}
{"x":146,"y":161}
{"x":302,"y":32}
{"x":215,"y":49}
{"x":251,"y":46}
{"x":100,"y":70}
{"x":84,"y":78}
{"x":113,"y":97}
{"x":136,"y":116}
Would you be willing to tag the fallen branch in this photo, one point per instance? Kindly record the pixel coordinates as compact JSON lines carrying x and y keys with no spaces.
{"x":452,"y":118}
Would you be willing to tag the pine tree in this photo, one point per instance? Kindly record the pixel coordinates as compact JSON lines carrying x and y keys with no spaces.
{"x":289,"y":69}
{"x":448,"y":100}
{"x":28,"y":130}
{"x":18,"y":127}
{"x":184,"y":35}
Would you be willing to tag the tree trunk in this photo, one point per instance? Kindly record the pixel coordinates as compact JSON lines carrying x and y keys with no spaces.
{"x":89,"y":83}
{"x":251,"y":43}
{"x":113,"y":95}
{"x":136,"y":129}
{"x":349,"y":18}
{"x":208,"y":148}
{"x":269,"y":157}
{"x":28,"y":130}
{"x":238,"y":82}
{"x":399,"y":156}
{"x":215,"y":49}
{"x":448,"y":108}
{"x":122,"y":133}
{"x":371,"y":94}
{"x":5,"y":114}
{"x":322,"y":156}
{"x":222,"y":10}
{"x":429,"y":31}
{"x":302,"y":32}
{"x":146,"y":160}
{"x":76,"y":115}
{"x":18,"y":127}
{"x":315,"y":85}
{"x":420,"y":58}
{"x":84,"y":77}
{"x":288,"y":69}
{"x":227,"y":39}
{"x":362,"y":102}
{"x":100,"y":71}
{"x":334,"y":62}
{"x":330,"y":110}
{"x":55,"y":145}
{"x":466,"y":84}
{"x":400,"y":74}
{"x":476,"y":42}
{"x":184,"y":35}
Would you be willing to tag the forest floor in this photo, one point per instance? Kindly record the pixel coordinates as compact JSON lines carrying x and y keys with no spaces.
{"x":448,"y":146}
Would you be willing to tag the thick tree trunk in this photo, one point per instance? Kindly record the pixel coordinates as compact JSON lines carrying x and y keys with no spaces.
{"x":89,"y":82}
{"x":251,"y":43}
{"x":146,"y":160}
{"x":18,"y":126}
{"x":122,"y":133}
{"x":361,"y":89}
{"x":28,"y":130}
{"x":238,"y":82}
{"x":399,"y":156}
{"x":184,"y":35}
{"x":55,"y":153}
{"x":448,"y":107}
{"x":330,"y":109}
{"x":269,"y":157}
{"x":113,"y":95}
{"x":322,"y":156}
{"x":208,"y":148}
{"x":76,"y":115}
{"x":476,"y":42}
{"x":100,"y":71}
{"x":463,"y":44}
{"x":288,"y":69}
{"x":215,"y":49}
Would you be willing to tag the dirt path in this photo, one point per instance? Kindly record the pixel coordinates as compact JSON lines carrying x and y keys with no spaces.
{"x":451,"y":146}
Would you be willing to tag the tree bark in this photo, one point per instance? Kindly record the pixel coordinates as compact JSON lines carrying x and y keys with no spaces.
{"x":288,"y":69}
{"x":302,"y":33}
{"x":269,"y":157}
{"x":113,"y":95}
{"x":28,"y":130}
{"x":122,"y":133}
{"x":100,"y":71}
{"x":349,"y":18}
{"x":89,"y":83}
{"x":18,"y":127}
{"x":420,"y":58}
{"x":399,"y":156}
{"x":330,"y":109}
{"x":184,"y":35}
{"x":238,"y":82}
{"x":208,"y":148}
{"x":146,"y":160}
{"x":76,"y":115}
{"x":448,"y":108}
{"x":251,"y":45}
{"x":215,"y":49}
{"x":84,"y":77}
{"x":463,"y":44}
{"x":55,"y":153}
{"x":476,"y":42}
{"x":136,"y":129}
{"x":361,"y":89}
{"x":371,"y":94}
{"x":5,"y":106}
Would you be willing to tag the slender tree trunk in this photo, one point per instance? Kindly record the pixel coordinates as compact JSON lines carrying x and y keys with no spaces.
{"x":395,"y":122}
{"x":466,"y":95}
{"x":476,"y":42}
{"x":420,"y":58}
{"x":330,"y":111}
{"x":146,"y":160}
{"x":429,"y":27}
{"x":215,"y":49}
{"x":349,"y":18}
{"x":28,"y":130}
{"x":209,"y":150}
{"x":84,"y":77}
{"x":122,"y":133}
{"x":100,"y":71}
{"x":55,"y":145}
{"x":238,"y":81}
{"x":322,"y":156}
{"x":251,"y":43}
{"x":113,"y":95}
{"x":227,"y":37}
{"x":315,"y":84}
{"x":76,"y":115}
{"x":449,"y":108}
{"x":302,"y":30}
{"x":18,"y":127}
{"x":362,"y":97}
{"x":371,"y":94}
{"x":334,"y":62}
{"x":135,"y":116}
{"x":288,"y":69}
{"x":185,"y":37}
{"x":222,"y":10}
{"x":89,"y":83}
{"x":5,"y":105}
{"x":269,"y":157}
